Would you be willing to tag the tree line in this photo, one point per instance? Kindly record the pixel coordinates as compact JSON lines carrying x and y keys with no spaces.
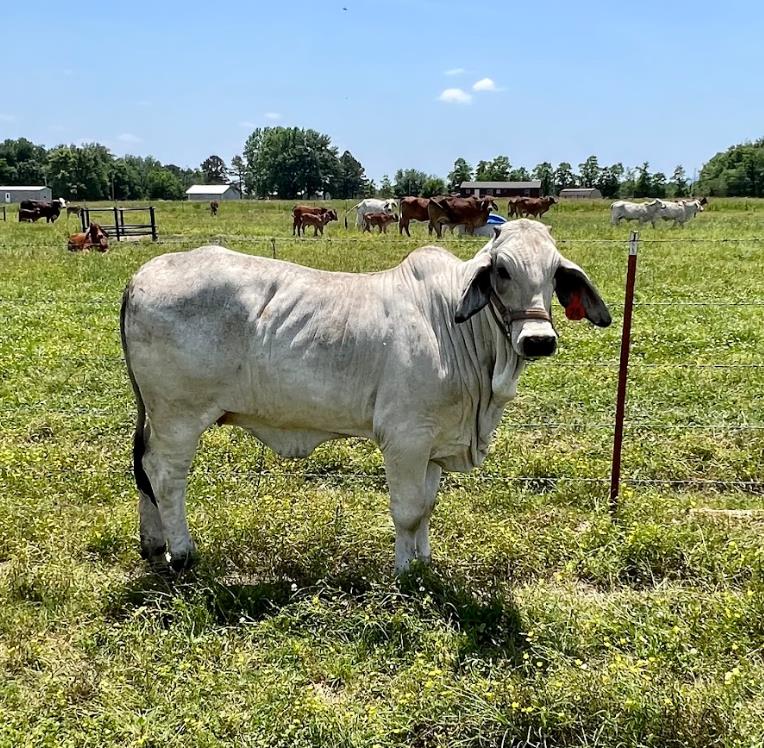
{"x":291,"y":163}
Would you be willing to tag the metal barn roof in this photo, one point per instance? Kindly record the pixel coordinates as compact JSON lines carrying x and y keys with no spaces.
{"x":535,"y":184}
{"x":208,"y":189}
{"x":23,"y":187}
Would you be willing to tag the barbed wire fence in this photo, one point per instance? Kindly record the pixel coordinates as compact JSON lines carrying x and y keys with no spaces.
{"x":270,"y":247}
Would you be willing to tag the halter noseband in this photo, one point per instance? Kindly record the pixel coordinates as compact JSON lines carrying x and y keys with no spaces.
{"x":505,"y":317}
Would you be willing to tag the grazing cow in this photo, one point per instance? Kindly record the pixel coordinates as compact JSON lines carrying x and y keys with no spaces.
{"x":512,"y":207}
{"x":622,"y":210}
{"x":534,"y":206}
{"x":413,"y":209}
{"x":93,"y":237}
{"x":371,"y":205}
{"x":380,"y":220}
{"x":50,"y":210}
{"x":680,"y":212}
{"x":471,"y":212}
{"x":300,"y":210}
{"x":422,"y":359}
{"x":317,"y":221}
{"x":214,"y":207}
{"x":29,"y":215}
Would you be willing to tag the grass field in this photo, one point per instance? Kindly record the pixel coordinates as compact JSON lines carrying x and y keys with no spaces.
{"x":541,"y":622}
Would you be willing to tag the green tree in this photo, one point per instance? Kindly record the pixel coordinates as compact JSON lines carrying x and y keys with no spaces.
{"x":483,"y":171}
{"x":214,"y":170}
{"x":609,"y":180}
{"x":237,"y":171}
{"x":80,"y":172}
{"x":500,"y":168}
{"x":564,"y":177}
{"x":289,"y":162}
{"x":126,"y":180}
{"x":658,"y":184}
{"x":433,"y":186}
{"x":351,"y":178}
{"x":589,"y":172}
{"x":462,"y":172}
{"x":520,"y":174}
{"x":385,"y":187}
{"x":643,"y":185}
{"x":678,"y":184}
{"x":738,"y":171}
{"x":22,"y":162}
{"x":544,"y":172}
{"x":409,"y":182}
{"x":164,"y":185}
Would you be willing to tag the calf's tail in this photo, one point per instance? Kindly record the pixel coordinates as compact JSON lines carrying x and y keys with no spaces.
{"x":139,"y":438}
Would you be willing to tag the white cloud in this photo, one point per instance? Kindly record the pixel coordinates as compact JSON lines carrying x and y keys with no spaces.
{"x":455,"y":96}
{"x":128,"y":137}
{"x":7,"y":118}
{"x":247,"y":125}
{"x":272,"y":115}
{"x":454,"y":71}
{"x":484,"y":84}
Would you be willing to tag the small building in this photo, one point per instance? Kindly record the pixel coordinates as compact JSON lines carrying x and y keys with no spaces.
{"x":501,"y":189}
{"x":12,"y":194}
{"x":580,"y":193}
{"x":213,"y":192}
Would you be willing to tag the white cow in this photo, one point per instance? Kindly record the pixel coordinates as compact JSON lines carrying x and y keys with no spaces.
{"x":622,"y":210}
{"x":681,"y":211}
{"x":409,"y":358}
{"x":372,"y":205}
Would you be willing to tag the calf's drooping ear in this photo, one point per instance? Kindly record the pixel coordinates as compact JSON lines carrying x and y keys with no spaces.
{"x":476,"y":287}
{"x":579,"y":296}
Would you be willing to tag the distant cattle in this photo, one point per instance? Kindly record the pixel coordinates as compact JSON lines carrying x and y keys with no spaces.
{"x":371,"y":205}
{"x":29,"y":215}
{"x":413,"y":209}
{"x":301,"y":210}
{"x":622,"y":210}
{"x":380,"y":220}
{"x":317,"y":221}
{"x":532,"y":206}
{"x":93,"y":237}
{"x":214,"y":207}
{"x":513,"y":207}
{"x":49,"y":210}
{"x":470,"y":212}
{"x":73,"y":210}
{"x":680,"y":212}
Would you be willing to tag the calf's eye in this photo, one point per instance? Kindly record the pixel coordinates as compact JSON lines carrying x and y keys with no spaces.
{"x":503,"y":273}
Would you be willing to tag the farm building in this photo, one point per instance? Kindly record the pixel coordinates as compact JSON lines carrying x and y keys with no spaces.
{"x":501,"y":189}
{"x":213,"y":192}
{"x":580,"y":193}
{"x":17,"y":194}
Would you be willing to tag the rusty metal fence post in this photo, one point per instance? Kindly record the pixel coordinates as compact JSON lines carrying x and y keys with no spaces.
{"x":623,"y":373}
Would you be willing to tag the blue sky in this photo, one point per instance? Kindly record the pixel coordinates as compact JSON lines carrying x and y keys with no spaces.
{"x":664,"y":82}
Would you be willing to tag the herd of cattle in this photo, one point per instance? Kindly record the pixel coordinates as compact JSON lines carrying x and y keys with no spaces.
{"x":470,"y":215}
{"x":31,"y":211}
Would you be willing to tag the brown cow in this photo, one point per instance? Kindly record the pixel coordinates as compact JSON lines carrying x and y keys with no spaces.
{"x":29,"y":215}
{"x":49,"y":210}
{"x":317,"y":221}
{"x":380,"y":220}
{"x":300,"y":210}
{"x":214,"y":207}
{"x":512,"y":207}
{"x":93,"y":237}
{"x":413,"y":209}
{"x":534,"y":206}
{"x":470,"y":212}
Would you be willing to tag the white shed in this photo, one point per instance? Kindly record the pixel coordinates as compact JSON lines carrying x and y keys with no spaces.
{"x":15,"y":194}
{"x":213,"y":192}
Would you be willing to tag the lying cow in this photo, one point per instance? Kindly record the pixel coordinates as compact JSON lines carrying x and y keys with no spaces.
{"x":49,"y":210}
{"x":29,"y":215}
{"x":680,"y":212}
{"x":317,"y":221}
{"x":380,"y":220}
{"x":622,"y":210}
{"x":300,"y":210}
{"x":470,"y":212}
{"x":93,"y":237}
{"x":371,"y":205}
{"x":413,"y":209}
{"x":422,"y":359}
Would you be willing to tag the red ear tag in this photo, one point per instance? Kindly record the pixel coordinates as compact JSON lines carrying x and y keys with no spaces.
{"x":575,"y":308}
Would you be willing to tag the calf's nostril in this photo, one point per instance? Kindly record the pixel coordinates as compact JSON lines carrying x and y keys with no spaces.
{"x":539,"y":345}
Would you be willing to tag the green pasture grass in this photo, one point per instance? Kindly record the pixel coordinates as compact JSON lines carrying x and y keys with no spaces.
{"x":541,"y":622}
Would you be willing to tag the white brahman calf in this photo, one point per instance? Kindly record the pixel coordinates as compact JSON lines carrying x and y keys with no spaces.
{"x":680,"y":212}
{"x":422,"y":359}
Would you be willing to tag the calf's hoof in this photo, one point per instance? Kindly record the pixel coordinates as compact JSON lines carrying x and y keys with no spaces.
{"x":183,"y":561}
